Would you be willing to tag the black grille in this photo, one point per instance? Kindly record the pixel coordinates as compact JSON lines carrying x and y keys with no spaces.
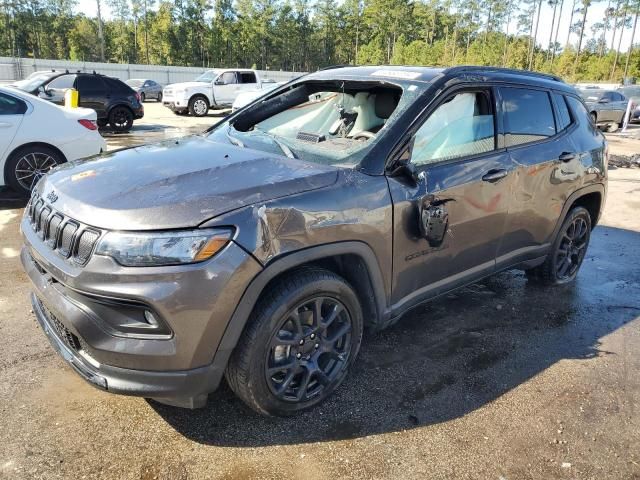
{"x":85,"y":245}
{"x":62,"y":332}
{"x":69,"y":238}
{"x":66,"y":239}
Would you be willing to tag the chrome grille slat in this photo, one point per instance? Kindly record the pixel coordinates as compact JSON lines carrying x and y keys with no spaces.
{"x":66,"y":236}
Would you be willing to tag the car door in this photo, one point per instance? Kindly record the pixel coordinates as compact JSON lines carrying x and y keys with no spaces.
{"x":225,"y":88}
{"x":92,"y":93}
{"x":154,"y":89}
{"x":607,"y":108}
{"x":619,"y":107}
{"x":538,"y":129}
{"x":12,"y":111}
{"x":448,"y":224}
{"x":55,"y":90}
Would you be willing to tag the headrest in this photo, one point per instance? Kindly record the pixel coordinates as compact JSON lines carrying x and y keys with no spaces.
{"x":385,"y":105}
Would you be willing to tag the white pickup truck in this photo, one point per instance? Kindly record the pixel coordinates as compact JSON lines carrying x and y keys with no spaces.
{"x":217,"y":88}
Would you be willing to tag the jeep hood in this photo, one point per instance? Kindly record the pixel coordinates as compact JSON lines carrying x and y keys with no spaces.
{"x":175,"y":184}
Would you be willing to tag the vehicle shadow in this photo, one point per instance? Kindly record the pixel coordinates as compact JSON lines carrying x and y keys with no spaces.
{"x":10,"y":200}
{"x":449,"y":357}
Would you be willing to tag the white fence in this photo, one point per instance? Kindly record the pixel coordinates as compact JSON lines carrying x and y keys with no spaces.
{"x":19,"y":68}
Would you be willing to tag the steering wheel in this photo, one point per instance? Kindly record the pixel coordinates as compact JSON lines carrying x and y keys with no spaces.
{"x":364,"y":135}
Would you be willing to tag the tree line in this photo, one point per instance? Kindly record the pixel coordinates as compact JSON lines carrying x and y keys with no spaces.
{"x":304,"y":35}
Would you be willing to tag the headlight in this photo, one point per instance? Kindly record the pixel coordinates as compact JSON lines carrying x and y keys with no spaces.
{"x":145,"y":249}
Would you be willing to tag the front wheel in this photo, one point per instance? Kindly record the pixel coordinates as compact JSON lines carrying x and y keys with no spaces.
{"x":567,"y":252}
{"x":198,"y":106}
{"x":303,"y":336}
{"x":142,"y":97}
{"x":159,"y":98}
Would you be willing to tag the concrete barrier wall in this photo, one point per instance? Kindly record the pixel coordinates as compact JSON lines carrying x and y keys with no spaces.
{"x":19,"y":68}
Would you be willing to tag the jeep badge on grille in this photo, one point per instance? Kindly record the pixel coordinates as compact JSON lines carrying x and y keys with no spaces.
{"x":52,"y":197}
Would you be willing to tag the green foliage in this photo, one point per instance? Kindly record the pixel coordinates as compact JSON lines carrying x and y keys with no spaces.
{"x":304,"y":35}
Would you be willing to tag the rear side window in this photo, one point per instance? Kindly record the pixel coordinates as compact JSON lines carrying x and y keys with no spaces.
{"x":617,"y":97}
{"x":11,"y":106}
{"x":581,"y":114}
{"x":564,"y":119}
{"x":116,"y":85}
{"x":90,"y":83}
{"x":528,"y":115}
{"x":247,"y":77}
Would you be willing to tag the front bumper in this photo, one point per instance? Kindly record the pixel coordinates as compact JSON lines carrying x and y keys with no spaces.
{"x":187,"y":388}
{"x":100,"y":305}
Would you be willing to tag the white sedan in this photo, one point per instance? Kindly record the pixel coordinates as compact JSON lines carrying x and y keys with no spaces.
{"x":36,"y":135}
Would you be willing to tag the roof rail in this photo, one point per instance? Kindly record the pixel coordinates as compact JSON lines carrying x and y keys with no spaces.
{"x":515,"y":71}
{"x":332,"y":67}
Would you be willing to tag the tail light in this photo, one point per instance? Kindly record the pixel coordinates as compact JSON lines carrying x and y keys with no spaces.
{"x":90,"y":124}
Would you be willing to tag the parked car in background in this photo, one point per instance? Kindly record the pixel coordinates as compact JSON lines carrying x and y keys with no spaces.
{"x":147,"y":89}
{"x":632,"y":92}
{"x":217,"y":88}
{"x":259,"y":250}
{"x":36,"y":135}
{"x":606,"y":107}
{"x":245,"y":98}
{"x":114,"y":101}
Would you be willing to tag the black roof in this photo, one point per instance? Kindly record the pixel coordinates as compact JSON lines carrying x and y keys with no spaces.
{"x":420,"y":74}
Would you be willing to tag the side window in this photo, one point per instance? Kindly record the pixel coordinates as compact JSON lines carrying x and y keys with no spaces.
{"x":618,"y":98}
{"x":581,"y":114}
{"x":11,"y":105}
{"x":64,"y":81}
{"x":247,"y":77}
{"x":565,"y":117}
{"x":528,"y":115}
{"x":90,"y":83}
{"x":228,"y":78}
{"x":462,"y":126}
{"x":608,"y":96}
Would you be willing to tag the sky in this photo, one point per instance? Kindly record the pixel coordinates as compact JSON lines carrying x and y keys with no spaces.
{"x":596,"y":14}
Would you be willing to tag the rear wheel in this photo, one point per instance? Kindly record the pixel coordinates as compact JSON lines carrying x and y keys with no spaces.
{"x":198,"y":106}
{"x":121,"y":119}
{"x":27,"y":165}
{"x":594,"y":117}
{"x":159,"y":98}
{"x":304,"y":334}
{"x":568,"y":250}
{"x":142,"y":97}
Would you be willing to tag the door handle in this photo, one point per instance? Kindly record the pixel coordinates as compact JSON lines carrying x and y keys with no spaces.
{"x":494,"y":175}
{"x":567,"y":156}
{"x":5,"y":125}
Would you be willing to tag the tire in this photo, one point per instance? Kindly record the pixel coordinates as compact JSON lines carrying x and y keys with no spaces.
{"x":121,"y":119}
{"x":570,"y":237}
{"x":594,"y":118}
{"x":102,"y":122}
{"x":159,"y":97}
{"x":24,"y":160}
{"x":198,"y":106}
{"x":273,"y":361}
{"x":612,"y":127}
{"x":143,"y":97}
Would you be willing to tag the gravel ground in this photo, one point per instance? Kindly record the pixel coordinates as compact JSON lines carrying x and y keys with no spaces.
{"x":501,"y":380}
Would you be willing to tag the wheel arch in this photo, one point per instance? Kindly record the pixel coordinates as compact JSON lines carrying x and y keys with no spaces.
{"x":591,"y":197}
{"x":354,"y":261}
{"x":25,"y":145}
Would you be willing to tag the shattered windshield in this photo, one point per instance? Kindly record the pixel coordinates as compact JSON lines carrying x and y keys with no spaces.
{"x":31,"y":83}
{"x":334,"y":123}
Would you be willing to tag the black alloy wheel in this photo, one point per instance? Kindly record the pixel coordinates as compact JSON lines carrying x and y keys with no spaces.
{"x":310,"y":349}
{"x":299,"y":343}
{"x":121,"y":119}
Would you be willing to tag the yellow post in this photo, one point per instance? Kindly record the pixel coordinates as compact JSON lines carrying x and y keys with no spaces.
{"x":71,"y":98}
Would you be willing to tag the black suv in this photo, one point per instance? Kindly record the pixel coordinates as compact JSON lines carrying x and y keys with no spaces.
{"x":261,"y":249}
{"x":114,"y":101}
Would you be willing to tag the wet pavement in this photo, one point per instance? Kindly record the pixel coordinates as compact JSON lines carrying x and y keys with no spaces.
{"x":503,"y":379}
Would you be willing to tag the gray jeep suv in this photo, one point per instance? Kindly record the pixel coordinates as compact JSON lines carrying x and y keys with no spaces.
{"x":261,"y":249}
